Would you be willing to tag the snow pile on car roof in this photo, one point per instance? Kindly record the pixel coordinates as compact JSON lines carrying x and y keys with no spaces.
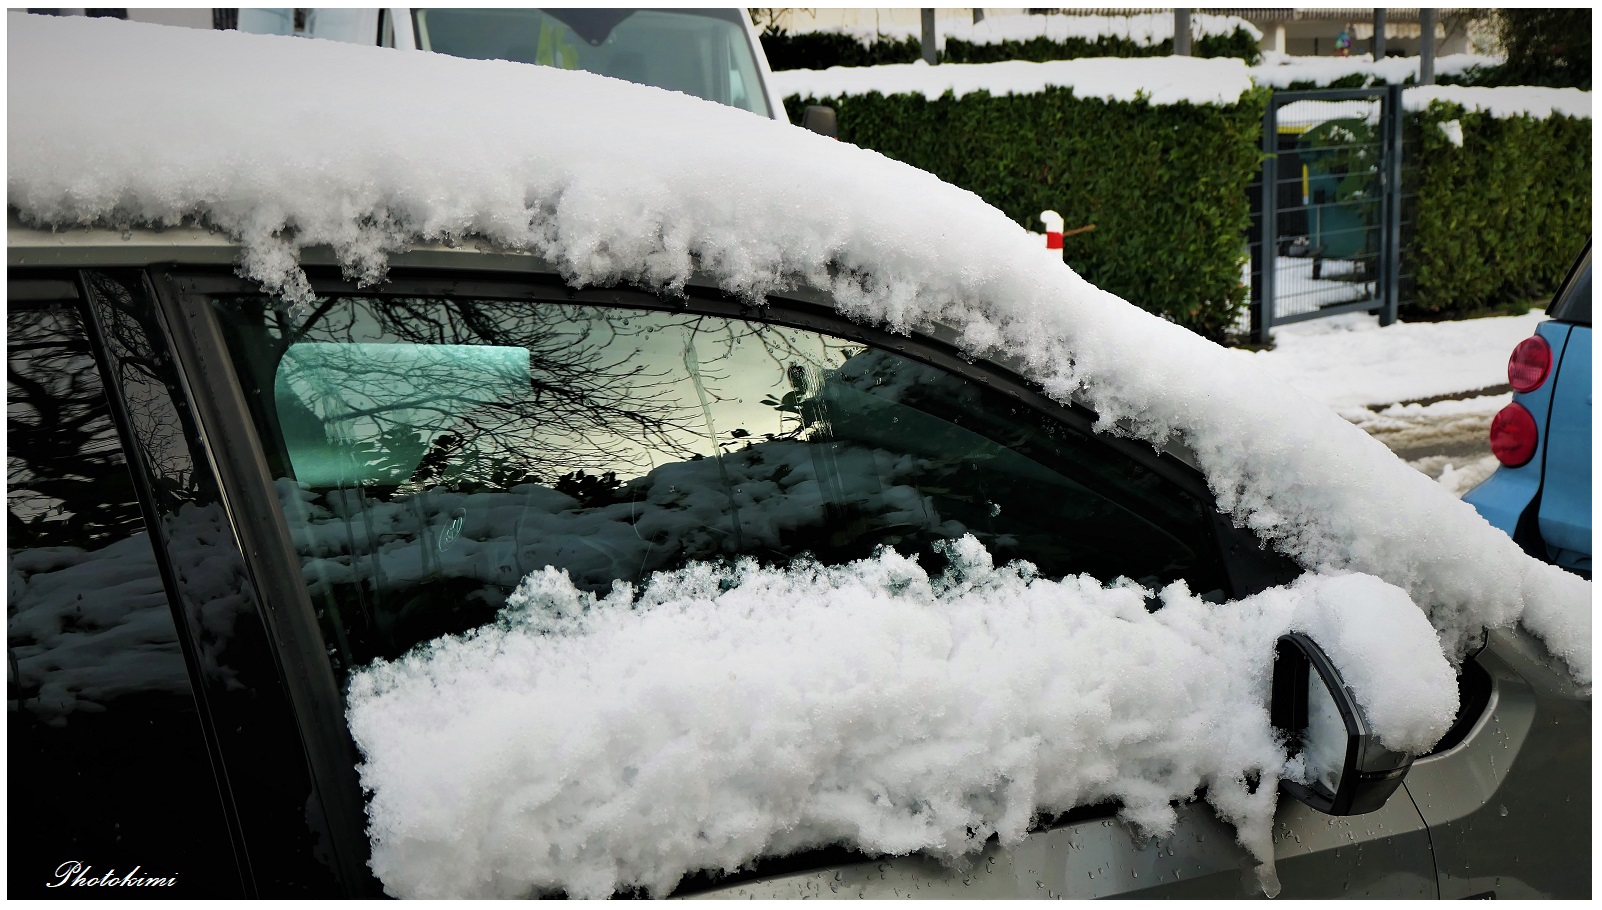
{"x":285,"y":144}
{"x":590,"y":745}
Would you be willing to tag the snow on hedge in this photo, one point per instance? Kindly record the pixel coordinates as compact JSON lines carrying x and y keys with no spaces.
{"x":370,"y":151}
{"x":1146,"y":30}
{"x":1504,"y":101}
{"x":1162,"y":80}
{"x":1284,"y":70}
{"x":1180,"y":80}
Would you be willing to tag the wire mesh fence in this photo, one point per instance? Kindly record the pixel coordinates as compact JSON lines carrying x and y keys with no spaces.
{"x":1331,"y":212}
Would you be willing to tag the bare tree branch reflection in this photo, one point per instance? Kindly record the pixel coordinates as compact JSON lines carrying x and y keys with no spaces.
{"x":587,"y":401}
{"x":63,"y":460}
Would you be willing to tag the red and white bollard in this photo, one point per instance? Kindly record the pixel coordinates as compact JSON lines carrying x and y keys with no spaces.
{"x":1053,"y":222}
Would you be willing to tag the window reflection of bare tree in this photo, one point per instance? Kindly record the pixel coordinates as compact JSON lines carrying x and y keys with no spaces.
{"x":148,"y":388}
{"x":414,"y":421}
{"x":66,"y":483}
{"x":587,"y":388}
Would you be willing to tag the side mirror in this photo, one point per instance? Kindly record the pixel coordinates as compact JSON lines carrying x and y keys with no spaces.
{"x":820,"y":119}
{"x":1350,"y":772}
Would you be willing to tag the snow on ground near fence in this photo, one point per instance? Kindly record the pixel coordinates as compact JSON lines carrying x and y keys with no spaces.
{"x":612,"y":182}
{"x":1381,"y":381}
{"x":1162,"y":80}
{"x":1349,"y":362}
{"x":1147,"y":30}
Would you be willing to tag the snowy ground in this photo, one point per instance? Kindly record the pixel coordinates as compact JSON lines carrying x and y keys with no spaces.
{"x":1427,"y":390}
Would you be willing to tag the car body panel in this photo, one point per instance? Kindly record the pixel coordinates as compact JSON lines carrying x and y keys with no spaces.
{"x":1505,"y":496}
{"x":1565,"y":514}
{"x":1382,"y":854}
{"x":1493,"y":801}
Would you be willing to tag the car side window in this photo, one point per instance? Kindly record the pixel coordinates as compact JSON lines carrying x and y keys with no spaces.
{"x":430,"y":453}
{"x":108,"y":771}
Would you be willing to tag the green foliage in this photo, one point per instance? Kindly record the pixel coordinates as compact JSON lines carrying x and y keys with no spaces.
{"x":1165,"y":186}
{"x":821,"y":50}
{"x":1350,"y":80}
{"x":1546,"y":46}
{"x":1500,"y":218}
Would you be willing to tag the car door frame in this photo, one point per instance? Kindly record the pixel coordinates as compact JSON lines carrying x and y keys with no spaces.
{"x":1056,"y":852}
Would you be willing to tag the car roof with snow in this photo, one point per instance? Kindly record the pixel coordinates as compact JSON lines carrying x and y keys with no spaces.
{"x":158,"y":144}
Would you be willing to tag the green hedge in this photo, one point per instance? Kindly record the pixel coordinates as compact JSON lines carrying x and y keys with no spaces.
{"x":821,"y":50}
{"x":1165,"y":186}
{"x":1496,"y":221}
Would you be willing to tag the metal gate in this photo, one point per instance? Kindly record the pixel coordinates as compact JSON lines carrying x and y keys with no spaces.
{"x":1327,"y":207}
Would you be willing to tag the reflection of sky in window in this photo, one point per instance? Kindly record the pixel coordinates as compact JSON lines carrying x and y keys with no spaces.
{"x":358,"y":390}
{"x":737,"y":366}
{"x":715,"y":380}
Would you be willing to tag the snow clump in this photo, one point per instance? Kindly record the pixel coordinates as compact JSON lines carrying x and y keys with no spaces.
{"x":588,"y":744}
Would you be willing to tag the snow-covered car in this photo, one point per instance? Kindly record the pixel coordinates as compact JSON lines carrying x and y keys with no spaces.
{"x":1541,"y":493}
{"x":539,"y":484}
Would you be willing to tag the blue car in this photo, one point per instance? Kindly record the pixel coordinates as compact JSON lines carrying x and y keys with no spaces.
{"x":1541,"y":494}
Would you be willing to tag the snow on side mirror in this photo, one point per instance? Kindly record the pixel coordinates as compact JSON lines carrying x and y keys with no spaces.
{"x":820,"y":119}
{"x":1349,"y":772}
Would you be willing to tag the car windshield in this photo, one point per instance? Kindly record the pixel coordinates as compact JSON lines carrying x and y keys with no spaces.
{"x":701,"y":52}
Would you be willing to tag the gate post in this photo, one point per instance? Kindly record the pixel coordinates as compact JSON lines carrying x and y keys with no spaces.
{"x":1391,"y":270}
{"x":1268,"y":230}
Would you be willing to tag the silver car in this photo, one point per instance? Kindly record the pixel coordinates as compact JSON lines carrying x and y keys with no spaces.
{"x":269,"y":508}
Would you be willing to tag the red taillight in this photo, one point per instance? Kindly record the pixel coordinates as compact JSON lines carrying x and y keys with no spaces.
{"x":1530,"y":363}
{"x":1513,"y":435}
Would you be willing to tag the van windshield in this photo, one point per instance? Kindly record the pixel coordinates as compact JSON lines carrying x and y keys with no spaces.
{"x":701,"y":52}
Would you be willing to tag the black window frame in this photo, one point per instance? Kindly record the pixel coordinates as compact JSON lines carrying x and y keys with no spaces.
{"x":30,"y":288}
{"x":255,"y":716}
{"x":1572,"y":302}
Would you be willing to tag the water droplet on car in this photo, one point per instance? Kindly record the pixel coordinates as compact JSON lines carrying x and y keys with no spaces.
{"x":1502,"y":811}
